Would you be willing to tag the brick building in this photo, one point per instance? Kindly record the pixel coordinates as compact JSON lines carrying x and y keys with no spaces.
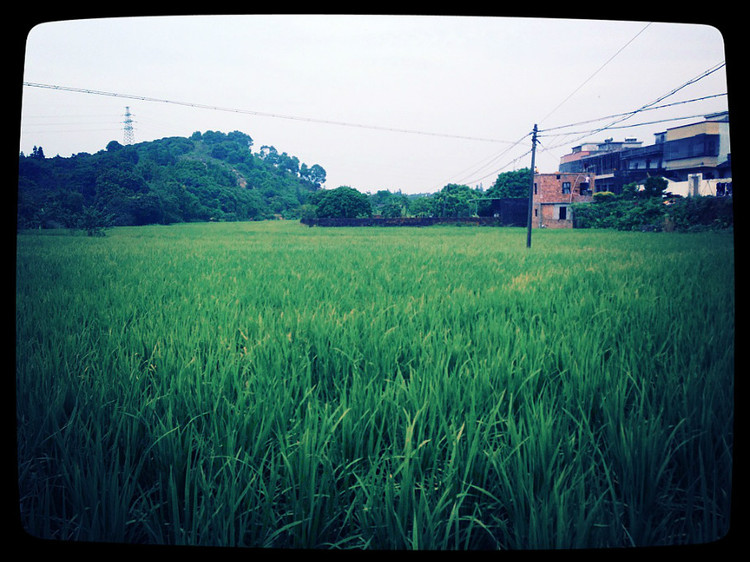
{"x":555,"y":193}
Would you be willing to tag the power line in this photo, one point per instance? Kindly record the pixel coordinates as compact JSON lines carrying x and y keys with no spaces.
{"x":610,"y":127}
{"x":644,"y":123}
{"x":259,"y":113}
{"x":701,"y":76}
{"x":628,"y":113}
{"x":657,"y":100}
{"x":597,"y":70}
{"x":501,"y":168}
{"x":460,"y":177}
{"x":622,"y":116}
{"x":47,"y":129}
{"x":585,"y":133}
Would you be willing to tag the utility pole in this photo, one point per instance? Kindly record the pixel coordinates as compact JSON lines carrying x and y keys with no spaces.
{"x":531,"y":187}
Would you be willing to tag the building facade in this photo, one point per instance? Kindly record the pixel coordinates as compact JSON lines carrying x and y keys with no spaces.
{"x":603,"y":160}
{"x":554,"y":195}
{"x":696,"y":152}
{"x":699,"y":148}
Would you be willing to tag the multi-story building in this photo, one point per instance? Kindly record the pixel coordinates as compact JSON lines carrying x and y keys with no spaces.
{"x":695,"y":159}
{"x":571,"y":162}
{"x":698,"y":152}
{"x":555,"y":193}
{"x":639,"y":163}
{"x":602,"y":160}
{"x":698,"y":148}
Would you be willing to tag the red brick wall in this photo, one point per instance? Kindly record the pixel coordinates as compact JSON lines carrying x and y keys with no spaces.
{"x":549,"y":197}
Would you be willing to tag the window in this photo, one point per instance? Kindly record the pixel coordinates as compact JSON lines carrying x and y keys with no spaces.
{"x":691,"y":147}
{"x":562,"y":213}
{"x":566,"y":187}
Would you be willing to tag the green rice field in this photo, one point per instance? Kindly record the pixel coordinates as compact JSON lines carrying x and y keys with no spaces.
{"x":271,"y":385}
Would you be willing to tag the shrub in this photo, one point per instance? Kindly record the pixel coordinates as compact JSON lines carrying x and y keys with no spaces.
{"x":702,"y":213}
{"x":344,"y":202}
{"x":626,"y":212}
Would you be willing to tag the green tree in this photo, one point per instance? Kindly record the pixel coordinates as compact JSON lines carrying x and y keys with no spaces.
{"x":420,"y":206}
{"x":514,"y":184}
{"x":654,"y":187}
{"x":209,"y":175}
{"x":454,"y":200}
{"x":289,"y":164}
{"x":393,"y":210}
{"x":94,"y":221}
{"x":269,"y":154}
{"x":344,"y":202}
{"x":389,"y":204}
{"x":314,"y":176}
{"x":242,"y":139}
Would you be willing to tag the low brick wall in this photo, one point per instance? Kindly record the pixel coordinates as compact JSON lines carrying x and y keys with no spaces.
{"x":405,"y":221}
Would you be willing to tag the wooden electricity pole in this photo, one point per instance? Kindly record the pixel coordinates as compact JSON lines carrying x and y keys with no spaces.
{"x":531,"y":187}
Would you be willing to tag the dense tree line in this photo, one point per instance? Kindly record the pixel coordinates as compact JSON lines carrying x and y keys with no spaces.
{"x":209,"y":176}
{"x":453,"y":200}
{"x":645,"y":208}
{"x":641,"y":207}
{"x":213,"y":176}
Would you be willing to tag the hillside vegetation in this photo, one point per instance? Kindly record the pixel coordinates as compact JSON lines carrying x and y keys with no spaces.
{"x":209,"y":176}
{"x":215,"y":176}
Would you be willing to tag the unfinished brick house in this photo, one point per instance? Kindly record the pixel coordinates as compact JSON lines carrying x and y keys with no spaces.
{"x":555,"y":193}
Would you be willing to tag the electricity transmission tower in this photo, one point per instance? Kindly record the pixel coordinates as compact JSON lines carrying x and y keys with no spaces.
{"x":128,"y":128}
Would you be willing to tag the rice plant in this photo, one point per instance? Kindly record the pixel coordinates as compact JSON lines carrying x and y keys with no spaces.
{"x":446,"y":388}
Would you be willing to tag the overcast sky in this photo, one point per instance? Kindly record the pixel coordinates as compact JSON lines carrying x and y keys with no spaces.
{"x":406,"y":103}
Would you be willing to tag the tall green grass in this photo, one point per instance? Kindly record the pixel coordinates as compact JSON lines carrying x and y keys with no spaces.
{"x":272,"y":385}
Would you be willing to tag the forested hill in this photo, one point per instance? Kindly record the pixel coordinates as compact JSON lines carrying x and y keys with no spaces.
{"x":209,"y":176}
